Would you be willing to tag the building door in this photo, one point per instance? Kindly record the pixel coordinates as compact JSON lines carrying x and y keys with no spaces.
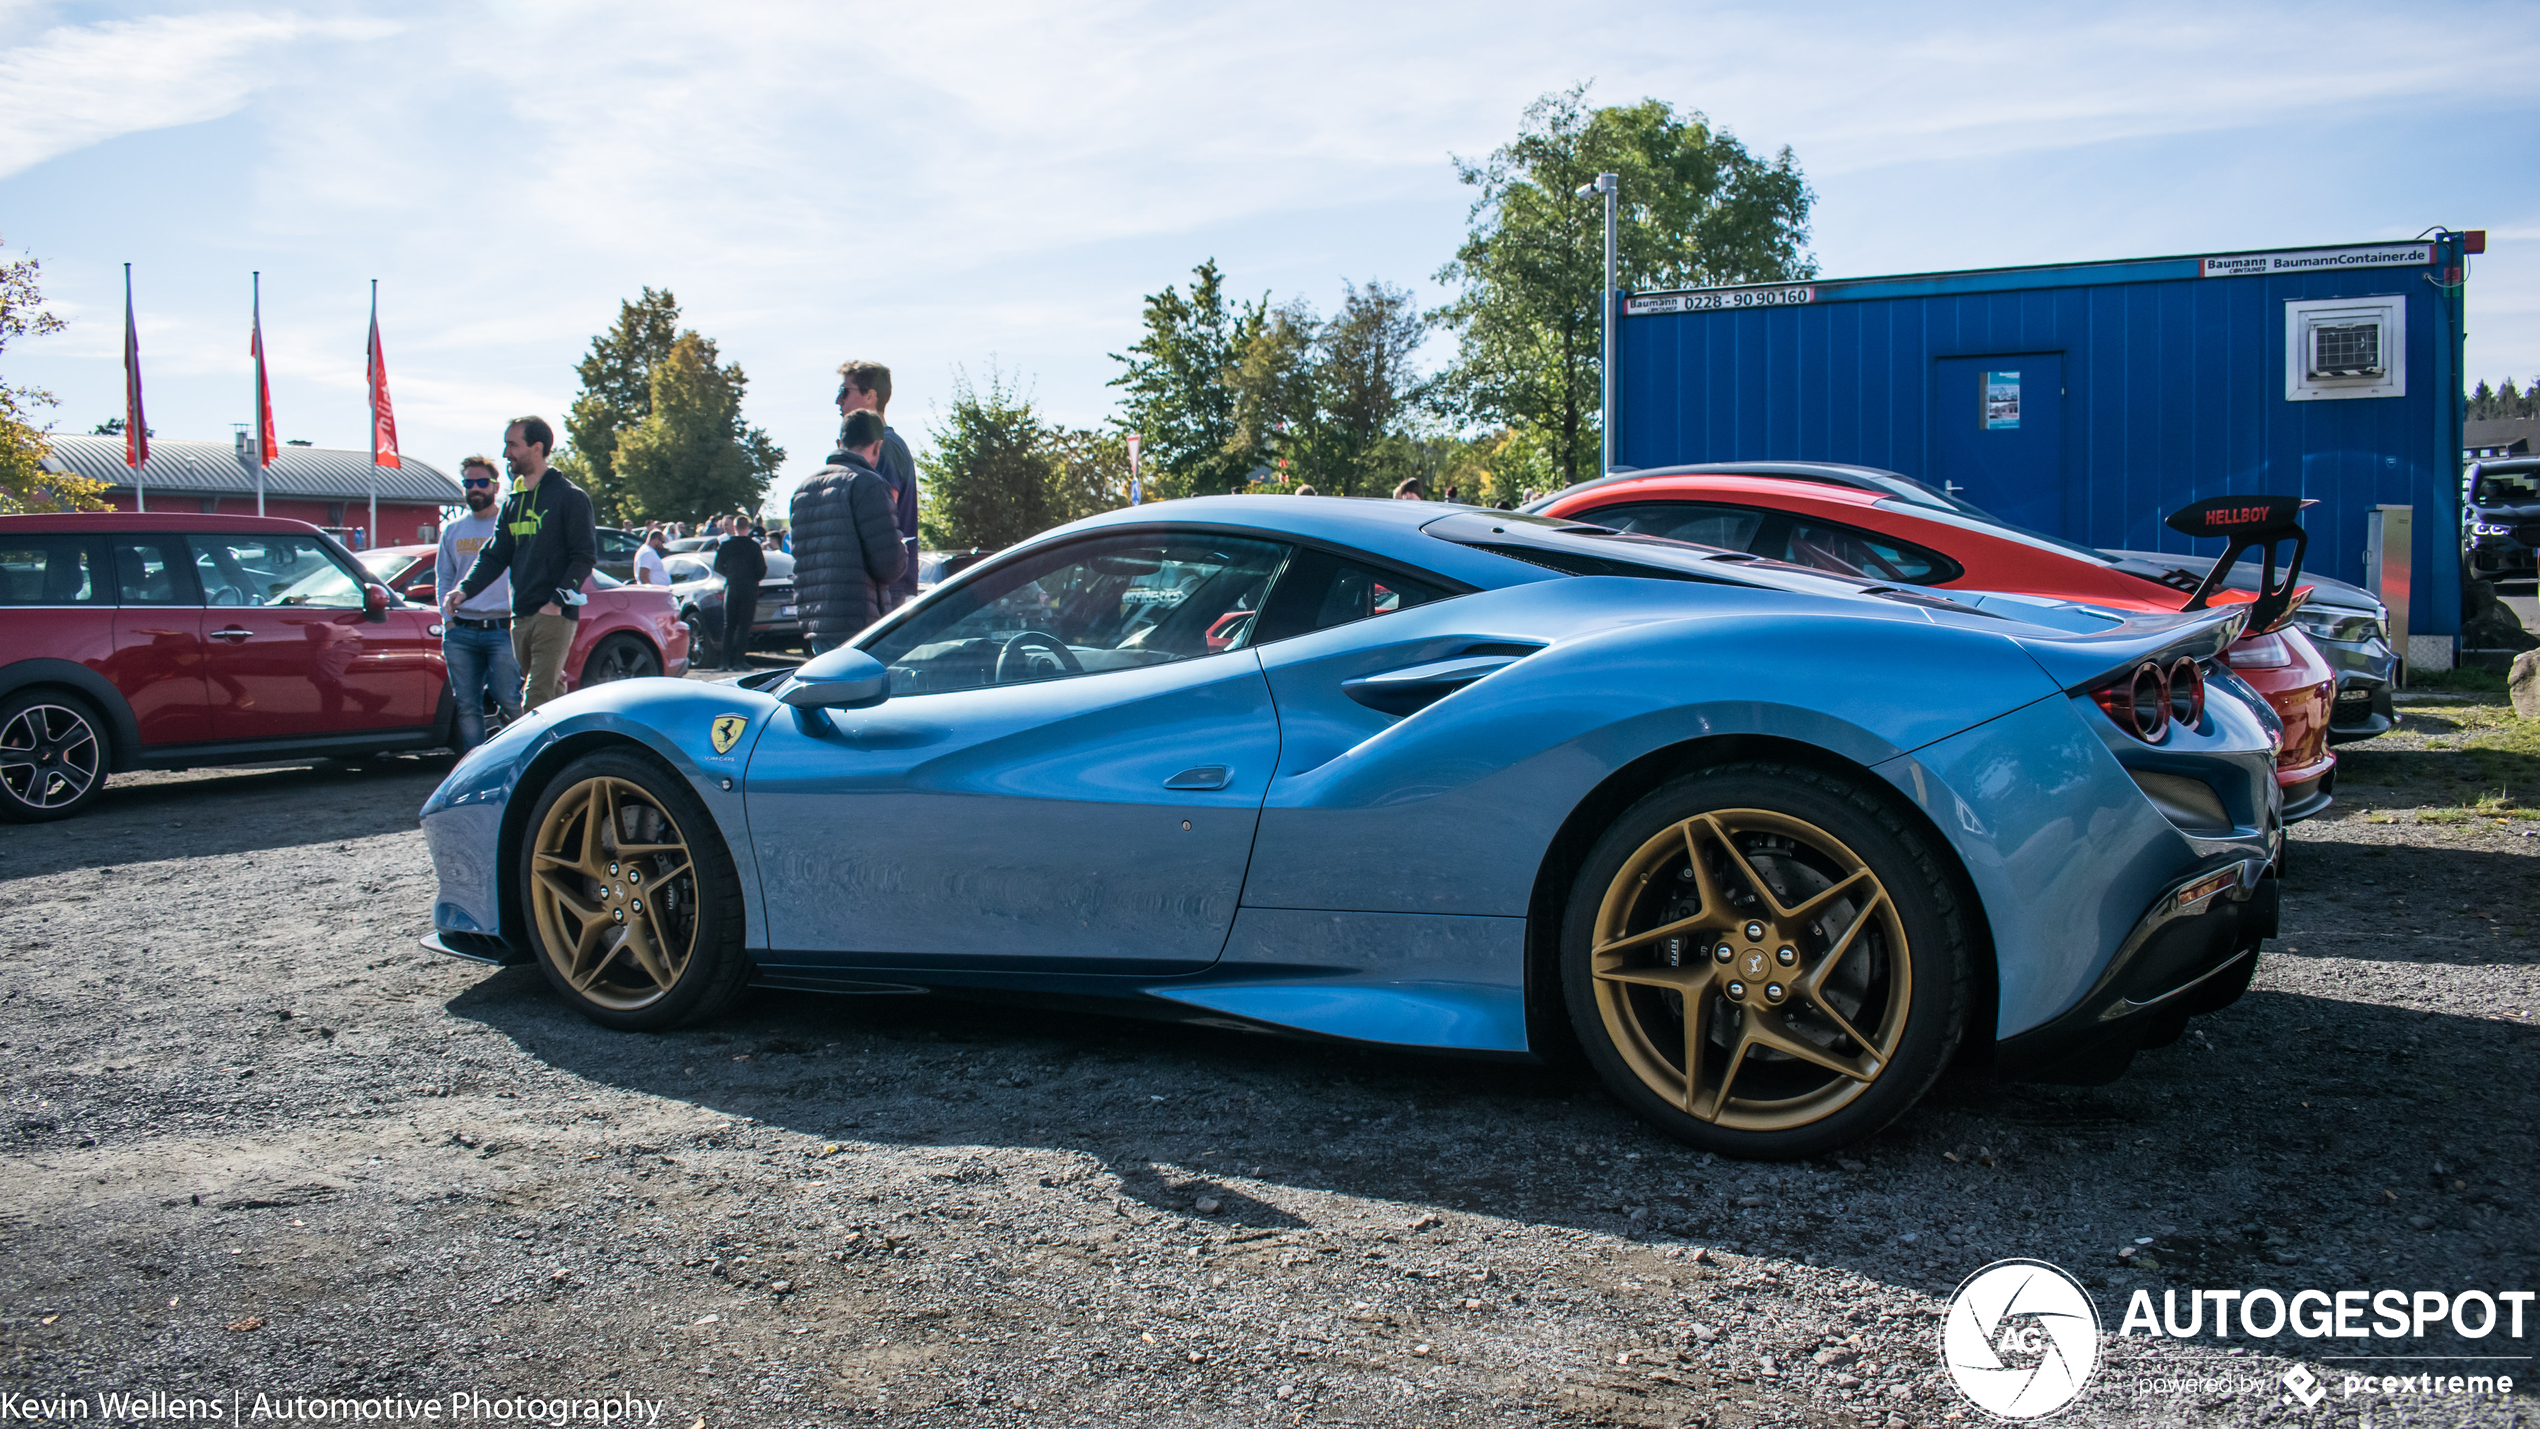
{"x":1998,"y":436}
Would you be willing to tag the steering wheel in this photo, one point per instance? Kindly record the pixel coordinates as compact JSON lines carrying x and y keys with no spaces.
{"x":1031,"y":640}
{"x":228,"y":595}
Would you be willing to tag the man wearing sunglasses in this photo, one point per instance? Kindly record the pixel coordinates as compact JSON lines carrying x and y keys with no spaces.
{"x":476,"y":635}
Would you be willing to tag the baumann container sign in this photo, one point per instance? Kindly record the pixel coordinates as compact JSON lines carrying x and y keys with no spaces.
{"x":2319,"y":260}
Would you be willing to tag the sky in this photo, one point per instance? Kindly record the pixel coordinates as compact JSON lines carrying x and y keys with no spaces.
{"x":977,"y":190}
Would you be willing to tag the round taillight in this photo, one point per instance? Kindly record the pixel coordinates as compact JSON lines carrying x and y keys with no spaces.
{"x":2147,"y":701}
{"x":2187,"y":693}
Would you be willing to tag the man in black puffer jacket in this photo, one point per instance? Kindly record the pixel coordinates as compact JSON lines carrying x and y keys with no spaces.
{"x":847,"y":547}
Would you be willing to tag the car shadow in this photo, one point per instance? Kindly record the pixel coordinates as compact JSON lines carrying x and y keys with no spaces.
{"x":229,"y":811}
{"x":2280,"y":1122}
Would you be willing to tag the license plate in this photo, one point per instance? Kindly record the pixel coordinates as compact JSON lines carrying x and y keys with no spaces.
{"x":785,"y":612}
{"x":2354,"y":697}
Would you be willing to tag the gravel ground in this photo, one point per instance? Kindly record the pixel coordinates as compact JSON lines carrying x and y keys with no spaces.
{"x":259,"y":1142}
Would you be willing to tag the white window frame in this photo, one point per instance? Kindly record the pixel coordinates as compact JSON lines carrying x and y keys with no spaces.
{"x":2302,"y":315}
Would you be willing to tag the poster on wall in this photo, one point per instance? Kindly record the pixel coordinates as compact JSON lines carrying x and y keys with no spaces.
{"x":2001,"y":401}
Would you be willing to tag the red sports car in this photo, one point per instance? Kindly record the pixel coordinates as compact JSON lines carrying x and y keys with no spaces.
{"x":626,"y":630}
{"x":1861,"y":521}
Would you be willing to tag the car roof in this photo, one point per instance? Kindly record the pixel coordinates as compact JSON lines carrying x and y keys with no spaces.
{"x":1870,"y":482}
{"x":148,"y":521}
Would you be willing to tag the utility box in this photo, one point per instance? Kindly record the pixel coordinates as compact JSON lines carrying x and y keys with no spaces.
{"x":2090,"y":400}
{"x":2389,"y":537}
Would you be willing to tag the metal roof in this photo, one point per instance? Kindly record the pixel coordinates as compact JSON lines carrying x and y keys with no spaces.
{"x":212,"y":469}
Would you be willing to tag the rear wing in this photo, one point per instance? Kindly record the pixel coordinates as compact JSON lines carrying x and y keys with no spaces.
{"x":2262,"y":522}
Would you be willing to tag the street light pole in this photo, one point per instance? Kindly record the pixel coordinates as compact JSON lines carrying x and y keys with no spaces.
{"x":1606,"y":184}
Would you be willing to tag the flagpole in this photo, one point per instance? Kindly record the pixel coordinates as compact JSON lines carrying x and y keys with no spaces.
{"x":371,"y":536}
{"x":137,"y":455}
{"x":257,"y":445}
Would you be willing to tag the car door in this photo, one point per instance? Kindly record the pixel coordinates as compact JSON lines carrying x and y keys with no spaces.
{"x":1067,"y":772}
{"x":158,"y":659}
{"x":289,"y":651}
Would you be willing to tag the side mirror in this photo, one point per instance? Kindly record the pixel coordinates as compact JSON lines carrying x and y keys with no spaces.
{"x":375,"y":599}
{"x":842,"y":679}
{"x":424,"y":593}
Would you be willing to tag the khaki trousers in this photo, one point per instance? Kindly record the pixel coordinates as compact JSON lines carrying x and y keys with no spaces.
{"x":539,"y":643}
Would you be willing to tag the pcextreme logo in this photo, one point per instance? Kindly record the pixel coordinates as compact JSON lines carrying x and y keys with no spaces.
{"x":2021,"y":1339}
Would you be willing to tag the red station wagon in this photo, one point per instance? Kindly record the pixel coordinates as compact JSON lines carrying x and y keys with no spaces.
{"x":147,"y":641}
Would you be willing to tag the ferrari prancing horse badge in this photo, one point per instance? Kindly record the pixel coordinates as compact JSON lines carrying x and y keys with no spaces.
{"x":727,"y":731}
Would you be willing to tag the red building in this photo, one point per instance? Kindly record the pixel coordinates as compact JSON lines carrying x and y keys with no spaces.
{"x":320,"y":485}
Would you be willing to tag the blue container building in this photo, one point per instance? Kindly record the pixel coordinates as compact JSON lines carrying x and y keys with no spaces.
{"x":2090,"y":400}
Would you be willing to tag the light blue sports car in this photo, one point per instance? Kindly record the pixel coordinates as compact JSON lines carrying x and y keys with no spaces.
{"x":1770,"y":847}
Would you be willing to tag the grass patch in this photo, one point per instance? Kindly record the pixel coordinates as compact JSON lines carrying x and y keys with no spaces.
{"x":2473,"y":761}
{"x":2465,"y":679}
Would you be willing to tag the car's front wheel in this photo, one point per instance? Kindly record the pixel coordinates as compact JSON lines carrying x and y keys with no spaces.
{"x":635,"y":908}
{"x":54,"y":754}
{"x":1765,"y":961}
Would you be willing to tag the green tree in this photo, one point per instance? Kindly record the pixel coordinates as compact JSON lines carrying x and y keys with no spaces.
{"x":989,"y":470}
{"x":2481,"y":405}
{"x":1276,"y":414}
{"x":24,"y":483}
{"x":1089,"y":471}
{"x":1181,"y":381}
{"x":617,"y":395}
{"x":1365,"y":389}
{"x":692,"y":456}
{"x":1696,"y":209}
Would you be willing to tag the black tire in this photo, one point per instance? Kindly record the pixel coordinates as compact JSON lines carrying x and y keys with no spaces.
{"x":705,"y":650}
{"x":55,"y":753}
{"x":1904,"y":970}
{"x":618,"y":985}
{"x":619,"y":657}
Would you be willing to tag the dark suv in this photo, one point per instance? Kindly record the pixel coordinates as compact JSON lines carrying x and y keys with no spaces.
{"x":2500,"y":526}
{"x":148,"y":641}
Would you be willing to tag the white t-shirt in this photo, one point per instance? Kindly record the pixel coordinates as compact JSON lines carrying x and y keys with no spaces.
{"x":649,"y":568}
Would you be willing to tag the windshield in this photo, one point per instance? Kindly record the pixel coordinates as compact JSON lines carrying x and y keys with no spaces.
{"x":2505,"y":488}
{"x":384,"y":563}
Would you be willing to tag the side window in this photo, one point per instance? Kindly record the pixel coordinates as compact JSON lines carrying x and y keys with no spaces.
{"x":1849,"y":552}
{"x":151,"y":570}
{"x":1731,"y":528}
{"x":1322,"y":589}
{"x":50,"y":570}
{"x":1112,"y":603}
{"x":257,"y":569}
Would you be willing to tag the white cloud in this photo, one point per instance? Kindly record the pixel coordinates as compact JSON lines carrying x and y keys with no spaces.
{"x":77,"y":85}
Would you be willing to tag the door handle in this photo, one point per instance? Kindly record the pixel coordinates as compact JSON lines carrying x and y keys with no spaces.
{"x":1206,"y":776}
{"x":233,"y":634}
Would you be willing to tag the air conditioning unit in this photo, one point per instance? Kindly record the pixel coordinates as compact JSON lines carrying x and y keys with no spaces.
{"x":2338,"y":348}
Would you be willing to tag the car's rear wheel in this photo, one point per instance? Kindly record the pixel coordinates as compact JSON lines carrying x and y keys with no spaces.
{"x":1765,"y":961}
{"x":635,"y":908}
{"x":54,"y":754}
{"x":705,"y":651}
{"x":619,"y":657}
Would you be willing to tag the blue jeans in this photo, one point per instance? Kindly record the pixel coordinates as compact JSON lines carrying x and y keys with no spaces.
{"x":481,"y":664}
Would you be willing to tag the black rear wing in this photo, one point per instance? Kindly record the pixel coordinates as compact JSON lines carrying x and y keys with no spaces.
{"x":2262,"y":522}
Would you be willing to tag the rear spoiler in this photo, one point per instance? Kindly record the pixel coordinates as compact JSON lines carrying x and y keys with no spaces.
{"x":2263,"y":522}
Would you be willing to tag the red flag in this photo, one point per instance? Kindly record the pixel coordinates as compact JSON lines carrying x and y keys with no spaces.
{"x":136,"y":428}
{"x":383,"y":416}
{"x":265,"y":442}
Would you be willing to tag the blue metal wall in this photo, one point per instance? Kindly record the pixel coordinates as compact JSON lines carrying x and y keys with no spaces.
{"x":2173,"y":391}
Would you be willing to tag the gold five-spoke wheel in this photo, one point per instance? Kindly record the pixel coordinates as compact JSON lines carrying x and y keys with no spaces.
{"x":613,"y":887}
{"x":1751,"y":969}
